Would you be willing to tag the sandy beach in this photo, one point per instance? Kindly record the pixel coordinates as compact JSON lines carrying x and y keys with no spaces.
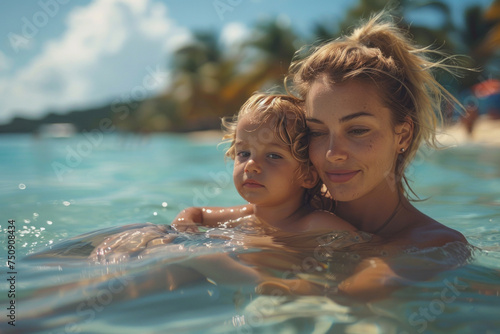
{"x":486,"y":132}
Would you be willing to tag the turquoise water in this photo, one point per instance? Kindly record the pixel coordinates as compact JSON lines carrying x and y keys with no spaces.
{"x":58,"y":189}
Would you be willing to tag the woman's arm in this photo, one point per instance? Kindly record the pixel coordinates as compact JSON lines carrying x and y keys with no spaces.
{"x":373,"y":279}
{"x":189,"y":219}
{"x":223,"y":269}
{"x":376,"y":277}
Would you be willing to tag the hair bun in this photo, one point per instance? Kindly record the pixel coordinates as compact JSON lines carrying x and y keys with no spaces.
{"x":381,"y":33}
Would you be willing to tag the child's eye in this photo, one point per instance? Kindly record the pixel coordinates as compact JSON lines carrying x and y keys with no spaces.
{"x":274,"y":156}
{"x":243,"y":154}
{"x":358,"y":132}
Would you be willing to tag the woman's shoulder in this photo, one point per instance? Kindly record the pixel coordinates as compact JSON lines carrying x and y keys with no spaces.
{"x":439,"y":234}
{"x":425,"y":231}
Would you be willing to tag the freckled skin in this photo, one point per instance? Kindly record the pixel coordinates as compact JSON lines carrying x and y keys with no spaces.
{"x":367,"y":144}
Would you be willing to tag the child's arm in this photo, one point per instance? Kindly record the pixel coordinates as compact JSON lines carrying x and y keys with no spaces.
{"x":190,"y":218}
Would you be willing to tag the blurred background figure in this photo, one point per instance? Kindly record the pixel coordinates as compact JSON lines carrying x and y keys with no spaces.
{"x":481,"y":100}
{"x":488,"y":92}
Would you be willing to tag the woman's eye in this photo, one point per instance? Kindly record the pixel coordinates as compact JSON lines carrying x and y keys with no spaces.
{"x":358,"y":132}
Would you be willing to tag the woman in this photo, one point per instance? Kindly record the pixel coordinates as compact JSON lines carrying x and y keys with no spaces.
{"x":371,"y":100}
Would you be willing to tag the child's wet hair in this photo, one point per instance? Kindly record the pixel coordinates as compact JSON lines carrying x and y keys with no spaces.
{"x":288,"y":126}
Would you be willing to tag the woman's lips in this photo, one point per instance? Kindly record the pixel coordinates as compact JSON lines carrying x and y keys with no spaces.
{"x":341,"y":176}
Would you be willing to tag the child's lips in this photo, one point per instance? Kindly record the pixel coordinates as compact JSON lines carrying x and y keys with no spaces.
{"x":252,"y":184}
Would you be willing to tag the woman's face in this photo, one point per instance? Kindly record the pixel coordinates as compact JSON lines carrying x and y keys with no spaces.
{"x":353,"y":143}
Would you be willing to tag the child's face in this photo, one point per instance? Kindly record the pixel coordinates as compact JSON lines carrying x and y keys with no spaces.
{"x":265,"y":173}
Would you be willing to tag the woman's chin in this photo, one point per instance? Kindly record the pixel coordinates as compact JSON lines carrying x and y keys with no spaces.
{"x":343,"y":193}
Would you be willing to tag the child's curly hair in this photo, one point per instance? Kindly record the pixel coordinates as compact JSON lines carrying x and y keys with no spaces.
{"x":289,"y":127}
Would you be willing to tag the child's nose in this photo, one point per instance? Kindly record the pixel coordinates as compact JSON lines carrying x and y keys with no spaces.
{"x":252,"y":166}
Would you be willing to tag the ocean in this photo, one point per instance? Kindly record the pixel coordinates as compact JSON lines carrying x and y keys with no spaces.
{"x":60,"y":195}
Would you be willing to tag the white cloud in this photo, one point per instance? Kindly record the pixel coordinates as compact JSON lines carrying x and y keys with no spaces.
{"x":233,"y":34}
{"x":109,"y":48}
{"x":4,"y":61}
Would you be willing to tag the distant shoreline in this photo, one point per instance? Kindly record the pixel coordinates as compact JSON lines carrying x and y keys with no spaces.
{"x":205,"y":135}
{"x":486,"y":132}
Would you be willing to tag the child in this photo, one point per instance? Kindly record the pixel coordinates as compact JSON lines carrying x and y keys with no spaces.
{"x":269,"y":146}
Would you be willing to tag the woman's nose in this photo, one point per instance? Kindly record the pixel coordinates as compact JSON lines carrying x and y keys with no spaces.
{"x":336,"y":151}
{"x":252,"y":166}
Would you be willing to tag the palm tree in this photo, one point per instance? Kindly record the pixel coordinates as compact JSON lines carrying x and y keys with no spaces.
{"x":482,"y":33}
{"x":276,"y":43}
{"x":209,"y":83}
{"x":421,"y":33}
{"x":221,"y":83}
{"x":199,"y":70}
{"x":490,"y":30}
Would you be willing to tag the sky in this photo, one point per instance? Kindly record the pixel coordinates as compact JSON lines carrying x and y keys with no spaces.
{"x":61,"y":55}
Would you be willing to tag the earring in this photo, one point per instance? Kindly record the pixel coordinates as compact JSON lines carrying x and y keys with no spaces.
{"x":402,"y":150}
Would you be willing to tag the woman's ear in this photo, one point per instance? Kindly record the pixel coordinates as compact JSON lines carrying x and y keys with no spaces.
{"x":311,"y":178}
{"x":404,"y":133}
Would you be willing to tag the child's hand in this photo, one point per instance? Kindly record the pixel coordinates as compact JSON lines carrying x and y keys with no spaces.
{"x":184,"y":225}
{"x":188,"y":220}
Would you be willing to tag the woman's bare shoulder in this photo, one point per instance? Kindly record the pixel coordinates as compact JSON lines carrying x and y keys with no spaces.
{"x":427,"y":232}
{"x":439,"y":234}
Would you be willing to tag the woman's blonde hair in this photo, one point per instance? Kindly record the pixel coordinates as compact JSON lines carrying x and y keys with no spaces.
{"x":288,"y":125}
{"x":380,"y":51}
